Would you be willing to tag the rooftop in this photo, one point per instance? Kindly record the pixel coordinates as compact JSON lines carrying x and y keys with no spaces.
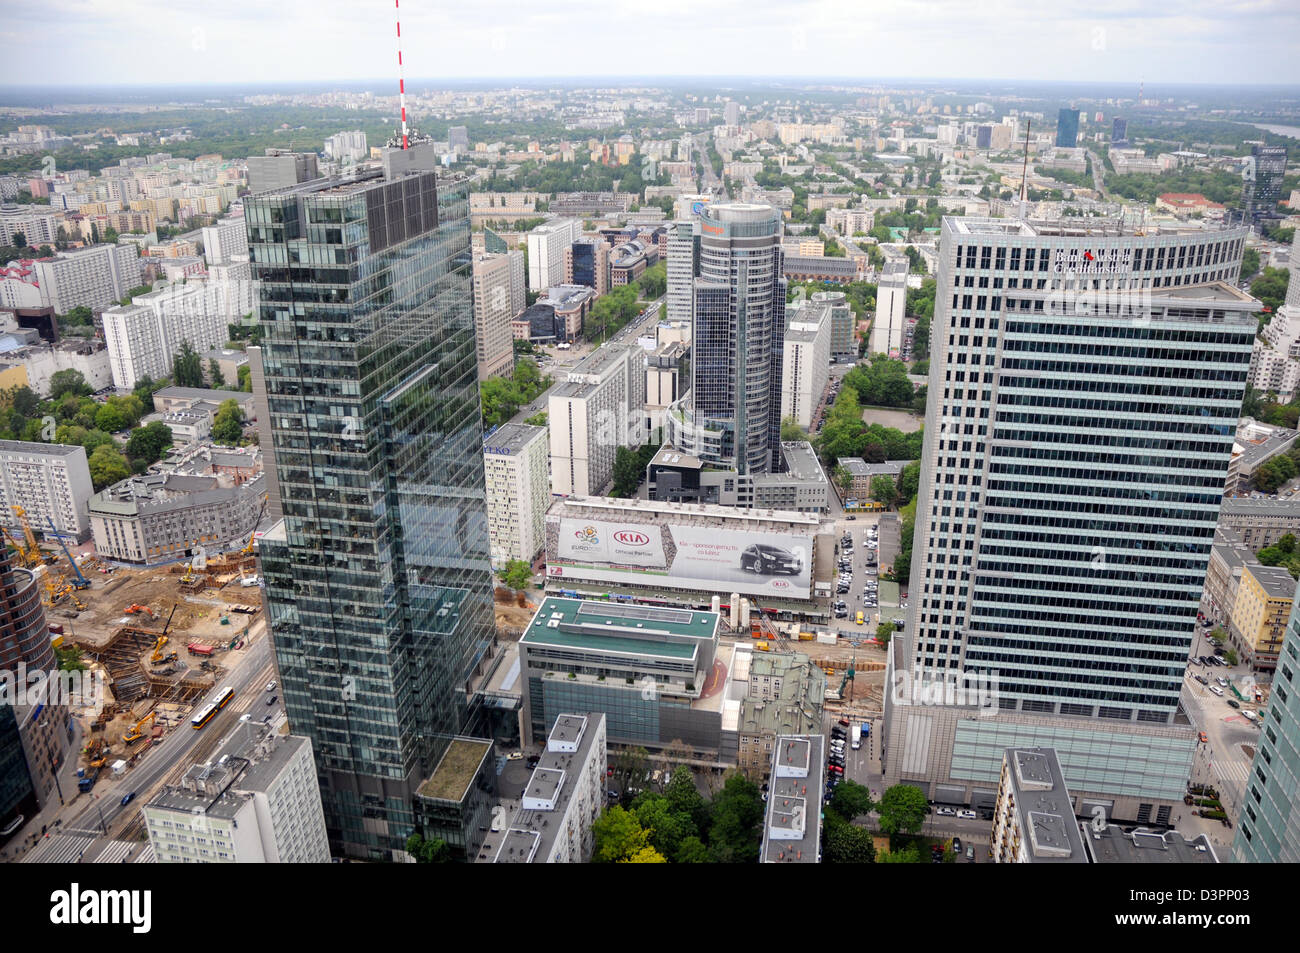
{"x":1044,"y":806}
{"x":512,"y":438}
{"x":1277,"y":582}
{"x":456,"y":771}
{"x":620,"y":627}
{"x":1114,"y":845}
{"x":801,"y":461}
{"x":792,"y":821}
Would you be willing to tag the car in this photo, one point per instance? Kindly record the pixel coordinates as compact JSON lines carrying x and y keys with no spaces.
{"x":769,"y":560}
{"x":861,"y":619}
{"x":1202,"y":679}
{"x":515,"y":756}
{"x":1217,"y":690}
{"x":273,"y":699}
{"x":1232,"y":703}
{"x":946,"y":812}
{"x":128,"y":799}
{"x":1204,"y":737}
{"x":1249,"y":715}
{"x":837,"y":731}
{"x":270,"y":686}
{"x":835,"y":769}
{"x":1223,"y":682}
{"x":970,"y":852}
{"x":612,"y":795}
{"x":854,"y":517}
{"x":968,"y":815}
{"x":956,"y":845}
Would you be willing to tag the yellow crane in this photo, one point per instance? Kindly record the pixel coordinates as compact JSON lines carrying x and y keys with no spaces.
{"x":134,"y":734}
{"x":34,"y":555}
{"x":158,"y":649}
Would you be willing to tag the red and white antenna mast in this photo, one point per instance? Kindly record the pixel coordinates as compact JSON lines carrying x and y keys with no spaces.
{"x":401,"y":80}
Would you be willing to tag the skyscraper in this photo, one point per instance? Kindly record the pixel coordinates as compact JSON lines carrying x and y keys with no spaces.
{"x":378,"y":585}
{"x":499,"y":297}
{"x":732,"y":415}
{"x":1085,"y":386}
{"x":1067,"y":128}
{"x":1268,"y":829}
{"x":1262,"y":181}
{"x":1119,"y":132}
{"x":683,"y":260}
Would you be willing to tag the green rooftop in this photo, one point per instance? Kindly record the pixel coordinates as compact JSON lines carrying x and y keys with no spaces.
{"x":613,"y":627}
{"x":455,"y":772}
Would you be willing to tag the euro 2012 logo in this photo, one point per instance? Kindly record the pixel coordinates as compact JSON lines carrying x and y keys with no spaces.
{"x":587,"y":535}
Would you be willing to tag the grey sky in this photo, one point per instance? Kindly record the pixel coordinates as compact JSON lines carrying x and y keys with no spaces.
{"x":96,"y":42}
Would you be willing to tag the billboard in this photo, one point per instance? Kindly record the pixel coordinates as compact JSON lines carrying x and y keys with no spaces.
{"x":682,"y":557}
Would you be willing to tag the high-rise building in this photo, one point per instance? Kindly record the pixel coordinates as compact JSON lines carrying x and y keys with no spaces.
{"x":586,"y":262}
{"x":731,"y":113}
{"x":50,"y":481}
{"x":1067,"y":128}
{"x":547,"y":244}
{"x":225,"y":240}
{"x":458,"y":138}
{"x":732,"y":414}
{"x":377,"y":580}
{"x":347,"y":147}
{"x":499,"y":297}
{"x":1085,"y":386}
{"x":843,"y":339}
{"x":806,"y":362}
{"x":599,"y":408}
{"x":93,"y":277}
{"x":145,"y":336}
{"x":1119,"y":133}
{"x":1268,"y":829}
{"x":515,"y":460}
{"x":681,"y":266}
{"x":280,"y":169}
{"x":891,"y":309}
{"x":1261,"y":188}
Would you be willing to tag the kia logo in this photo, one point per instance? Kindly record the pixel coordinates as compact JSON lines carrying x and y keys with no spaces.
{"x":632,"y":539}
{"x":780,"y":584}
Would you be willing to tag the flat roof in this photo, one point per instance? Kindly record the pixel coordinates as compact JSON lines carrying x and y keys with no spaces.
{"x":619,"y":627}
{"x":1277,"y":582}
{"x":723,"y":514}
{"x":1044,"y":806}
{"x":511,"y":438}
{"x":1256,"y":506}
{"x":456,"y":770}
{"x":1113,"y":845}
{"x":802,"y":461}
{"x":792,"y":819}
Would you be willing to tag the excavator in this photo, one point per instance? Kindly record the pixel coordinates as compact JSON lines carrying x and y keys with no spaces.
{"x":134,"y":734}
{"x":136,"y":607}
{"x":157,"y":658}
{"x":97,"y":752}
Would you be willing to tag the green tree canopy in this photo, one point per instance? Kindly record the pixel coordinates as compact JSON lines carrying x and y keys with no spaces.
{"x":187,"y":367}
{"x":68,"y":381}
{"x":227,"y":425}
{"x":902,"y":809}
{"x":517,"y":574}
{"x":107,"y":466}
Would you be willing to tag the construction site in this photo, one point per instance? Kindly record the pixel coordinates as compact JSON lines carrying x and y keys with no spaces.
{"x":160,"y":636}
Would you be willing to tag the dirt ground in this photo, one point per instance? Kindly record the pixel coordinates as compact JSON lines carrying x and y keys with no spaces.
{"x":512,"y":618}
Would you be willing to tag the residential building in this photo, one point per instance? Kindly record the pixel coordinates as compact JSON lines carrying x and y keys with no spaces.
{"x":851,"y":221}
{"x":158,"y":518}
{"x":145,"y":336}
{"x":732,"y":414}
{"x":226,"y":362}
{"x":518,"y":491}
{"x":1067,"y":128}
{"x":1260,"y":522}
{"x":94,"y":277}
{"x":348,"y":148}
{"x":386,"y":404}
{"x":806,"y":363}
{"x":844,"y":345}
{"x":40,"y":362}
{"x":861,"y":473}
{"x":280,"y":169}
{"x":891,"y":309}
{"x":499,"y":296}
{"x":547,"y":244}
{"x":1268,"y":827}
{"x":1033,"y":816}
{"x":1085,"y":646}
{"x":562,"y":799}
{"x":255,"y":802}
{"x":225,"y":241}
{"x":50,"y":481}
{"x":682,"y":266}
{"x":599,"y":408}
{"x":1259,"y":614}
{"x":792,"y":826}
{"x":38,"y":226}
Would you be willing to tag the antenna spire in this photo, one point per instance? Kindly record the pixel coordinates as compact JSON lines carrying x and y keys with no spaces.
{"x":401,"y":80}
{"x":1024,"y":173}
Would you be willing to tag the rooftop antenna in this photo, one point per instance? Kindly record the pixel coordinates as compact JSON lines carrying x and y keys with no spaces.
{"x":401,"y":80}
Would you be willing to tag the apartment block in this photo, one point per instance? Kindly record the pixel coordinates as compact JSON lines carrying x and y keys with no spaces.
{"x":806,"y":363}
{"x":547,"y":244}
{"x":499,"y":296}
{"x":50,"y":481}
{"x":94,"y":277}
{"x":518,"y":491}
{"x":598,"y":408}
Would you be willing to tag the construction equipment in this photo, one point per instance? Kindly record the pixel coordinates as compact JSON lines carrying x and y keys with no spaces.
{"x":84,"y":784}
{"x":158,"y":650}
{"x":136,"y":607}
{"x":134,"y":734}
{"x":848,"y":675}
{"x":79,"y":580}
{"x":97,"y":753}
{"x":34,"y":555}
{"x":248,"y":548}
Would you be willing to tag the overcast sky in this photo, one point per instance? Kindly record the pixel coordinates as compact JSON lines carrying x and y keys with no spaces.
{"x":99,"y":42}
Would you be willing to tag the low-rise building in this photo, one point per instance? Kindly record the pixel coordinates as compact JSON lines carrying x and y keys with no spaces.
{"x":799,"y":486}
{"x":1259,"y":614}
{"x":154,"y":519}
{"x":786,"y":691}
{"x":1260,"y":522}
{"x":256,"y":801}
{"x":861,"y":473}
{"x":562,"y":800}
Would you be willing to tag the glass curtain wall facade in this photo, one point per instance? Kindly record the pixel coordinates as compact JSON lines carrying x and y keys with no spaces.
{"x":1067,"y":128}
{"x":739,"y":335}
{"x":378,"y":583}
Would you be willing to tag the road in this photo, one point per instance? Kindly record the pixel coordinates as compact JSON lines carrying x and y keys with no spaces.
{"x":87,"y":816}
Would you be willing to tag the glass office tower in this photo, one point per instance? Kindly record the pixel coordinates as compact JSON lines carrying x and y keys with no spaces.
{"x":1067,"y":128}
{"x":377,"y":580}
{"x":1268,"y":828}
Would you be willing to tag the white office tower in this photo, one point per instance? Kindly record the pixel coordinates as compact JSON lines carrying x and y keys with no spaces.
{"x":599,"y":408}
{"x":891,"y":310}
{"x":256,"y":802}
{"x":518,"y":491}
{"x":683,"y":257}
{"x":731,"y":416}
{"x":499,"y":297}
{"x":806,"y":364}
{"x":93,"y":277}
{"x":1293,"y":266}
{"x":225,"y":241}
{"x":230,"y":291}
{"x":1085,"y":385}
{"x":547,"y":244}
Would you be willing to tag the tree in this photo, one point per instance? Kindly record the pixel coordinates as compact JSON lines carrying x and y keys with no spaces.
{"x":245,"y":378}
{"x":187,"y":367}
{"x":683,"y":797}
{"x":23,"y":400}
{"x":883,"y":490}
{"x":792,"y":431}
{"x":1249,"y":264}
{"x":653,"y":281}
{"x":517,"y":574}
{"x":107,"y":466}
{"x":618,"y":835}
{"x":424,"y":851}
{"x":884,"y":632}
{"x":904,"y":855}
{"x":692,"y":850}
{"x":902,"y":809}
{"x":1230,"y":656}
{"x":842,"y":843}
{"x":851,"y":800}
{"x":110,"y":419}
{"x":148,"y":442}
{"x":667,"y":827}
{"x":629,"y":767}
{"x":228,"y":424}
{"x":627,"y":475}
{"x":214,"y":372}
{"x":737,"y":811}
{"x":68,"y":382}
{"x":646,"y":855}
{"x":19,"y":240}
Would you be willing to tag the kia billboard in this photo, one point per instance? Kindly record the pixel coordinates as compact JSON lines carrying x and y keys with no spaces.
{"x":682,"y":557}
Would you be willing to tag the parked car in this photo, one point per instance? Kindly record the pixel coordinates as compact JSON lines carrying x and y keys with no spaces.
{"x":1217,"y":690}
{"x":946,"y":812}
{"x":968,"y":815}
{"x":956,"y":845}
